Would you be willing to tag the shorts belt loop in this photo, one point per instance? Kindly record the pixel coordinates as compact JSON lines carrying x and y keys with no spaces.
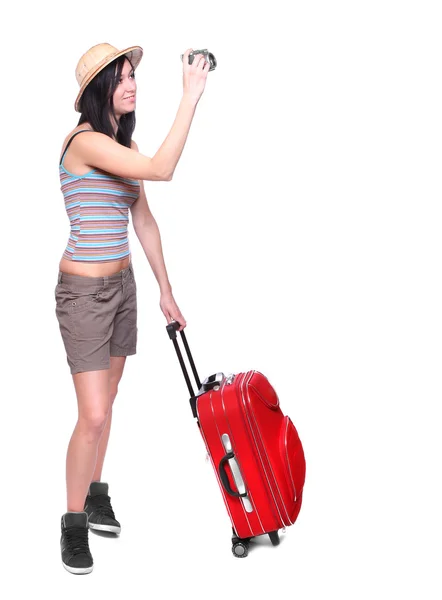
{"x":59,"y":276}
{"x":105,"y":281}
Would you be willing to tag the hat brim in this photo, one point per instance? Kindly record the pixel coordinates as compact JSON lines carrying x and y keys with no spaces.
{"x":134,"y":54}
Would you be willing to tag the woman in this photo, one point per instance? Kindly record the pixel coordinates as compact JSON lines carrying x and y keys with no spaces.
{"x":101,"y":174}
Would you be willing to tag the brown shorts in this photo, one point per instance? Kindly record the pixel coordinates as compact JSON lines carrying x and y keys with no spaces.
{"x":97,"y":318}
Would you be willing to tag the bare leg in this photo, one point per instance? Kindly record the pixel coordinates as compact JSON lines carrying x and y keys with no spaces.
{"x":92,"y":388}
{"x":115,"y":373}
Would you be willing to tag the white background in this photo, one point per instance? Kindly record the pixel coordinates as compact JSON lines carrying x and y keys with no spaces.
{"x":301,"y":233}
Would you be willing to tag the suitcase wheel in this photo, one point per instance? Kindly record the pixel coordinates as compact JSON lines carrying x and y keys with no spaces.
{"x":240,"y":546}
{"x":274,"y":537}
{"x":240,"y":549}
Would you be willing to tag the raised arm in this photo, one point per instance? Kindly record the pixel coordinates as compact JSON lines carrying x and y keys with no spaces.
{"x":100,"y":151}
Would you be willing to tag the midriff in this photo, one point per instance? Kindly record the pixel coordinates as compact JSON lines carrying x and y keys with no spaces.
{"x":93,"y":269}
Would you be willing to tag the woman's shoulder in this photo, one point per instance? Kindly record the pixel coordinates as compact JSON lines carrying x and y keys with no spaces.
{"x":82,"y":127}
{"x":72,"y":133}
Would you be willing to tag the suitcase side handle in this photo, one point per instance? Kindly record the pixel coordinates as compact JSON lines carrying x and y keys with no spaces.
{"x":225,"y":479}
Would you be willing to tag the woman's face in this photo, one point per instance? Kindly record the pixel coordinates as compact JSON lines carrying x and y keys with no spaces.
{"x":125,"y":94}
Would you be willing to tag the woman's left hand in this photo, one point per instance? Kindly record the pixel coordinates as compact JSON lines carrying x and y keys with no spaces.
{"x":170,"y":309}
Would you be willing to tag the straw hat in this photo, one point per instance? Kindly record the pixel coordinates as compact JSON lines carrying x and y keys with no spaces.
{"x":96,"y":59}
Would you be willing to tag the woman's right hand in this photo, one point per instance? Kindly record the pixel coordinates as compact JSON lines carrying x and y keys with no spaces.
{"x":194,"y":75}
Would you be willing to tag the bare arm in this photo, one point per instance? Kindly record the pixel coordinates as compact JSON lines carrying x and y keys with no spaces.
{"x":147,"y":231}
{"x":100,"y":151}
{"x":194,"y":81}
{"x":171,"y":149}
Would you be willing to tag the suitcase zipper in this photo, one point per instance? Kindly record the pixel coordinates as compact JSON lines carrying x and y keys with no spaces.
{"x":266,"y":465}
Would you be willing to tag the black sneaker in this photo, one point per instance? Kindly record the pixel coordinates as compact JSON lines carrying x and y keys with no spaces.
{"x":75,"y":552}
{"x":99,"y":509}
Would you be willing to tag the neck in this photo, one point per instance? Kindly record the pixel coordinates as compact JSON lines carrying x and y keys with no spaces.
{"x":115,"y":123}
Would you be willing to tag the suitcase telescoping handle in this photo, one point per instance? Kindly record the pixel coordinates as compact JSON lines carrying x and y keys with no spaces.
{"x":208,"y":384}
{"x":172,"y":328}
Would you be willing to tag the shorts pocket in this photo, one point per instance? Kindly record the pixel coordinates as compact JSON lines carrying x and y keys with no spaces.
{"x":76,"y":300}
{"x":83,"y":302}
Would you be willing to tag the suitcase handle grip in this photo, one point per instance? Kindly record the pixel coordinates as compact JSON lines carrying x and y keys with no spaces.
{"x":172,"y":328}
{"x":225,"y":479}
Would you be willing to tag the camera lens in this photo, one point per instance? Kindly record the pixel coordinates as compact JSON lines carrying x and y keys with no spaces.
{"x":209,"y":57}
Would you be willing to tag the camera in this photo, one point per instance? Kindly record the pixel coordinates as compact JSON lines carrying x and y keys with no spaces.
{"x":207,"y":55}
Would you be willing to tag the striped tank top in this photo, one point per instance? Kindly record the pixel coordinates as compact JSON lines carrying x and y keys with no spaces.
{"x":97,"y":205}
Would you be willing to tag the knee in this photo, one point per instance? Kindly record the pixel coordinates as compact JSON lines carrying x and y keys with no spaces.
{"x":93,"y":422}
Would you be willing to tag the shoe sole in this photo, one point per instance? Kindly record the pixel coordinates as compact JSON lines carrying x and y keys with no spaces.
{"x":78,"y":570}
{"x":110,"y":528}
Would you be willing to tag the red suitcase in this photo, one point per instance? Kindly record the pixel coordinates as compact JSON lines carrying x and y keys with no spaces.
{"x":254,"y":448}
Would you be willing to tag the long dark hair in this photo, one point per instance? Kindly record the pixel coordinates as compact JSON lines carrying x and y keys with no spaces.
{"x":97,"y":106}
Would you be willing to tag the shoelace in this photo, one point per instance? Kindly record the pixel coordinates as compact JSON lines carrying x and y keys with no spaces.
{"x":77,"y":539}
{"x":101,"y":504}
